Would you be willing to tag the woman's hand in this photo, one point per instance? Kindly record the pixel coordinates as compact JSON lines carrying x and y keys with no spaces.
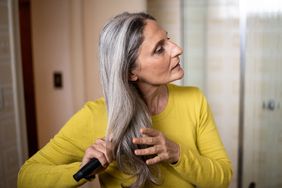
{"x":100,"y":150}
{"x":164,"y":149}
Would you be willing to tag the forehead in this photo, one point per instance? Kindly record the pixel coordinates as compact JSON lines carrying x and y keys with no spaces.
{"x":152,"y":33}
{"x":152,"y":30}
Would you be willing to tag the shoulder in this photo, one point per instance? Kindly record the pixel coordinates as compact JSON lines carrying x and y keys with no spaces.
{"x":88,"y":123}
{"x":189,"y":97}
{"x":97,"y":106}
{"x":90,"y":111}
{"x":190,"y":92}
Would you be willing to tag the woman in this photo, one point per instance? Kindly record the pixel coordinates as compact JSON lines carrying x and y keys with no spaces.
{"x":146,"y":132}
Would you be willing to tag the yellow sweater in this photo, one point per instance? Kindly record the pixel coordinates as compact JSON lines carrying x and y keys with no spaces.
{"x":187,"y":120}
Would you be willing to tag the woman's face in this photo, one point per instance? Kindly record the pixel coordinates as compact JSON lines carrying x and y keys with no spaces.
{"x":158,"y":59}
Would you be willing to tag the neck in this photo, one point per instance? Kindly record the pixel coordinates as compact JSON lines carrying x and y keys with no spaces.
{"x":155,"y":97}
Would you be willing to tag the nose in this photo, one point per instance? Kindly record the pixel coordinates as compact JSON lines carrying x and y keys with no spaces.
{"x":175,"y":50}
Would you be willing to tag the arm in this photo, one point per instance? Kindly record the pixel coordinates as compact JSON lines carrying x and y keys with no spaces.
{"x":208,"y":166}
{"x":55,"y":164}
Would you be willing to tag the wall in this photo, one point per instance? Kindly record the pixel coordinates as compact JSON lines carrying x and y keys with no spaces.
{"x":13,"y":146}
{"x":222,"y":72}
{"x":51,"y":52}
{"x":212,"y":63}
{"x":65,"y":37}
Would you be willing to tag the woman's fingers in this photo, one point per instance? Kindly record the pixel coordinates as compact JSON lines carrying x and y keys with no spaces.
{"x":149,"y":151}
{"x":100,"y":151}
{"x":94,"y":151}
{"x":146,"y":140}
{"x":160,"y":146}
{"x":157,"y":159}
{"x":150,"y":132}
{"x":101,"y":141}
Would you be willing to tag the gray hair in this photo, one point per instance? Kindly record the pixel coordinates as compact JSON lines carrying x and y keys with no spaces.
{"x":119,"y":45}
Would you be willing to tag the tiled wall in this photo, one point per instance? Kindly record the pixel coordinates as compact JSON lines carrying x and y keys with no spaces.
{"x":9,"y":156}
{"x":194,"y":37}
{"x":211,"y":61}
{"x":223,"y":74}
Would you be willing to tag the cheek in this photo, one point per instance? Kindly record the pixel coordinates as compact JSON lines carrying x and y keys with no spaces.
{"x":160,"y":69}
{"x":153,"y":67}
{"x":162,"y":66}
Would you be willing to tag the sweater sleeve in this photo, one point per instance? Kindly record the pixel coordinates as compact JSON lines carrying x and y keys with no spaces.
{"x":55,"y":164}
{"x":208,"y":165}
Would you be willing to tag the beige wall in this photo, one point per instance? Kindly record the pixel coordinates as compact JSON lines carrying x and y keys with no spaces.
{"x":65,"y":35}
{"x":51,"y":52}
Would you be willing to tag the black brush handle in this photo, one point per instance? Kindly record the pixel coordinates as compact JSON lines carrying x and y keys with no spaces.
{"x":87,"y":169}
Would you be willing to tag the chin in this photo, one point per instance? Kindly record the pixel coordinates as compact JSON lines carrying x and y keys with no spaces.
{"x":177,"y":78}
{"x":180,"y":74}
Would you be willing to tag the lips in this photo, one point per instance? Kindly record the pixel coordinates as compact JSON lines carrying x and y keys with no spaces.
{"x":176,"y":65}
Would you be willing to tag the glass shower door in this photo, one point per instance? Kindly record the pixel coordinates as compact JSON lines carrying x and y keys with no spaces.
{"x":212,"y":30}
{"x":262,"y":154}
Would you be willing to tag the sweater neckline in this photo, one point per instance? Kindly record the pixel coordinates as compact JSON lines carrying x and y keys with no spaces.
{"x":167,"y":109}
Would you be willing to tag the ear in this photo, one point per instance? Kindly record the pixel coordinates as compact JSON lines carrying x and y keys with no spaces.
{"x":133,"y":77}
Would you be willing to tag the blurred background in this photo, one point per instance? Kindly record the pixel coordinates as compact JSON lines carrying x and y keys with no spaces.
{"x":232,"y":51}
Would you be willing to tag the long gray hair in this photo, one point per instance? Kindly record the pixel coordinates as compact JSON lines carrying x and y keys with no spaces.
{"x":119,"y":45}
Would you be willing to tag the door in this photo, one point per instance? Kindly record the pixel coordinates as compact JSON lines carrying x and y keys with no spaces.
{"x":262,"y":154}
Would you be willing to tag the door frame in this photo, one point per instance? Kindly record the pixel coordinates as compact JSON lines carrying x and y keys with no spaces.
{"x":24,"y":11}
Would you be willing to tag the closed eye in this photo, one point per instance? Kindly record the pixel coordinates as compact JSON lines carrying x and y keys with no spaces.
{"x":159,"y":50}
{"x":160,"y":46}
